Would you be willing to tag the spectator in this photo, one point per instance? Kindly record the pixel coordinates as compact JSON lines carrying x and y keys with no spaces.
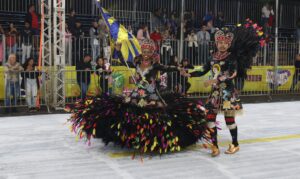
{"x":166,"y":48}
{"x":267,"y":11}
{"x":156,"y":37}
{"x":298,"y":29}
{"x":2,"y":38}
{"x":94,"y":34}
{"x":193,"y":46}
{"x":165,"y":16}
{"x":84,"y":74}
{"x":143,"y":33}
{"x":12,"y":70}
{"x":26,"y":39}
{"x":33,"y":19}
{"x":296,"y":77}
{"x":104,"y":36}
{"x":220,"y":21}
{"x":203,"y":38}
{"x":11,"y":40}
{"x":129,"y":28}
{"x":72,"y":21}
{"x":208,"y":17}
{"x":68,"y":45}
{"x":174,"y":77}
{"x":78,"y":35}
{"x":102,"y":24}
{"x":103,"y":70}
{"x":30,"y":77}
{"x":185,"y":85}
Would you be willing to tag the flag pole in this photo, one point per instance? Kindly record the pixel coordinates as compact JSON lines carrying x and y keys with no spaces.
{"x":132,"y":75}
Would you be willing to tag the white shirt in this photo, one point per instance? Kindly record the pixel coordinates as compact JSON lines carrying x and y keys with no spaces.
{"x":266,"y":12}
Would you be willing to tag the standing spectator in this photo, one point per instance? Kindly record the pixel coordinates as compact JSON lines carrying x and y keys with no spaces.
{"x":208,"y":17}
{"x":104,"y":36}
{"x":174,"y":77}
{"x":220,"y":21}
{"x":26,"y":39}
{"x":143,"y":33}
{"x":103,"y":70}
{"x":267,"y":11}
{"x":102,"y":24}
{"x":185,"y":85}
{"x":129,"y":28}
{"x":11,"y":40}
{"x":30,"y":77}
{"x":78,"y":34}
{"x":2,"y":37}
{"x":296,"y":77}
{"x":68,"y":45}
{"x":33,"y":19}
{"x":193,"y":46}
{"x":298,"y":29}
{"x":12,"y":70}
{"x":95,"y":44}
{"x":156,"y":37}
{"x":72,"y":20}
{"x":166,"y":48}
{"x":84,"y":74}
{"x":203,"y":38}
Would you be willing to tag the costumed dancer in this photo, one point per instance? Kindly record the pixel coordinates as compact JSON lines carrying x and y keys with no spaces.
{"x":235,"y":51}
{"x":142,"y":119}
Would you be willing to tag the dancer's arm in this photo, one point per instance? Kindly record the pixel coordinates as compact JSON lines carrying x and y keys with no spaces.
{"x":206,"y":69}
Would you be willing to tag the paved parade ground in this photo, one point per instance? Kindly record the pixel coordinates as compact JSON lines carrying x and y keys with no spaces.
{"x":42,"y":146}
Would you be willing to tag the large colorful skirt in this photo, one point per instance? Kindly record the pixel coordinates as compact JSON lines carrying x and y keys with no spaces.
{"x":145,"y":129}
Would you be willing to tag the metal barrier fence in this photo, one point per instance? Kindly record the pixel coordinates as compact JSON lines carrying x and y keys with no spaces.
{"x":28,"y":89}
{"x":20,"y":88}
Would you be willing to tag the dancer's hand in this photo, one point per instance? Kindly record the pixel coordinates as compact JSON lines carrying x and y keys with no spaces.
{"x":208,"y":83}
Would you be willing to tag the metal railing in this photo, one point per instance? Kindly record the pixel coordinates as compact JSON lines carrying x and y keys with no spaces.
{"x":22,"y":89}
{"x":28,"y":89}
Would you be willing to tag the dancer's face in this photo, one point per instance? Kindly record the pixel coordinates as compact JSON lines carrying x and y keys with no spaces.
{"x":146,"y":62}
{"x":147,"y":53}
{"x":223,"y":46}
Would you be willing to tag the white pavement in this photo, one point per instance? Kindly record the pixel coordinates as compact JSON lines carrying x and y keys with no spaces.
{"x":43,"y":147}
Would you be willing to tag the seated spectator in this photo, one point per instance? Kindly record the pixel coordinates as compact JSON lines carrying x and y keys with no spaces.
{"x":12,"y":70}
{"x":30,"y":79}
{"x":26,"y":39}
{"x":84,"y":74}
